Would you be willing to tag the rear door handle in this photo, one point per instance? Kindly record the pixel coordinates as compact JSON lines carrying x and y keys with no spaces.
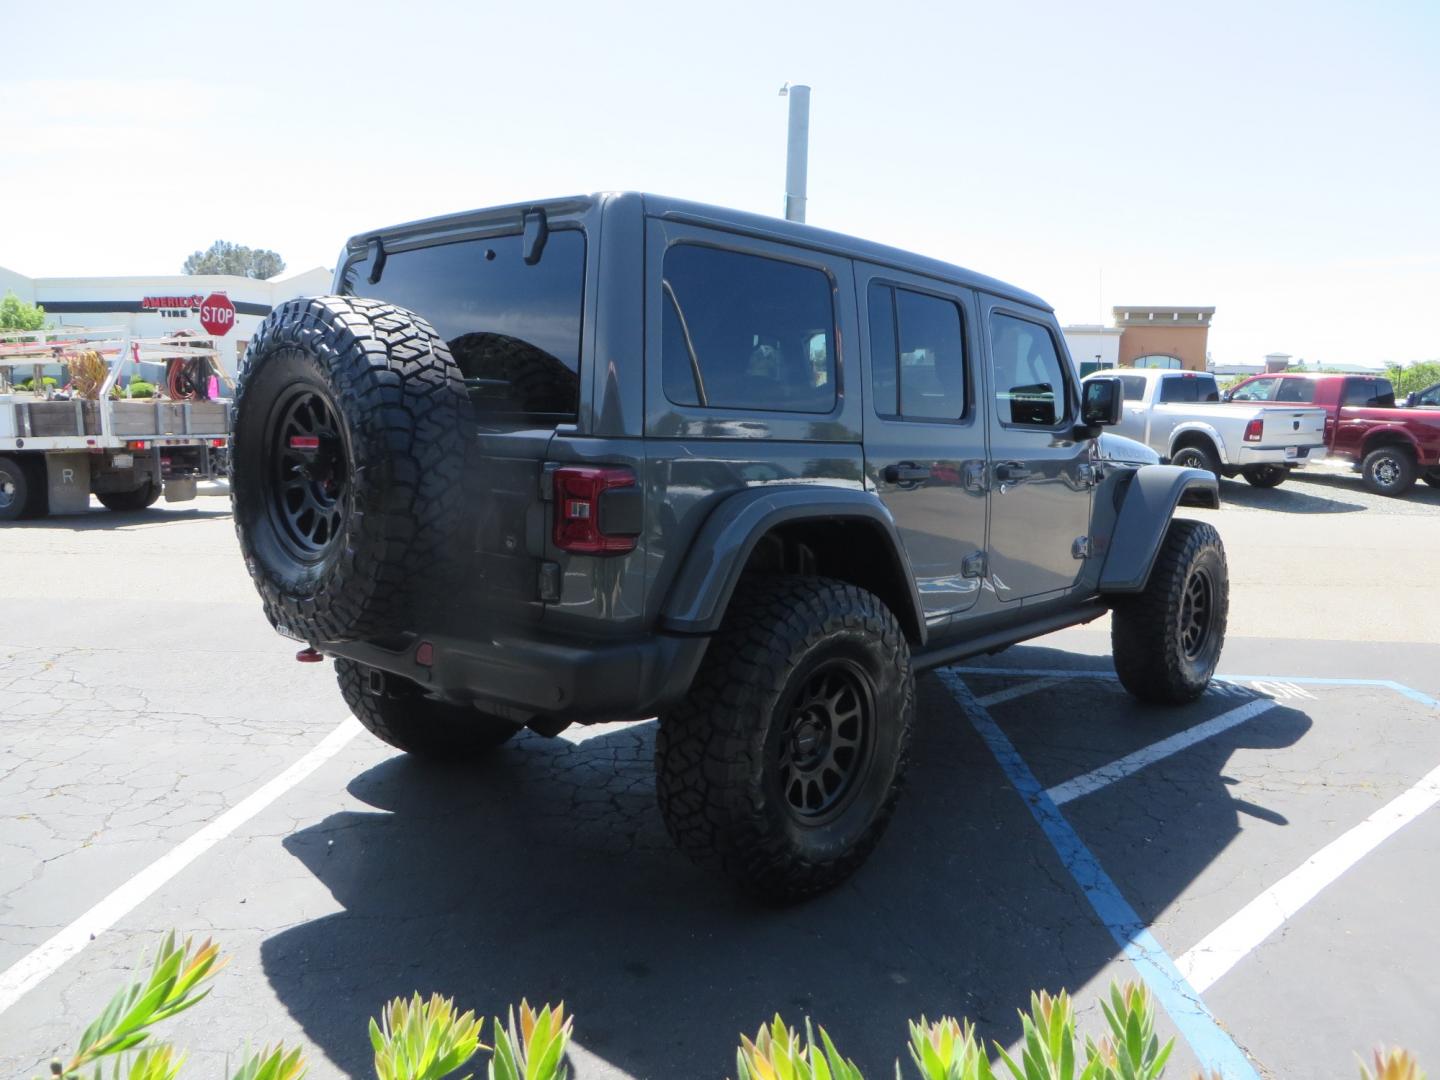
{"x":1008,"y":472}
{"x":906,"y":472}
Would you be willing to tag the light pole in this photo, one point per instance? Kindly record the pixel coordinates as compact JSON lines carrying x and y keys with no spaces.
{"x":796,"y":150}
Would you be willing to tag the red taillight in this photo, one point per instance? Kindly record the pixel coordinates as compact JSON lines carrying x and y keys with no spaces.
{"x":579,"y":493}
{"x":217,"y":442}
{"x":137,"y":444}
{"x":1254,"y":430}
{"x":304,"y":442}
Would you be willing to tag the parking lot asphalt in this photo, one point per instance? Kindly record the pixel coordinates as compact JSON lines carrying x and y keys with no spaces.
{"x":166,"y":764}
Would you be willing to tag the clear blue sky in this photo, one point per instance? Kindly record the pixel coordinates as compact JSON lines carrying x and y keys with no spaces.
{"x":1280,"y":161}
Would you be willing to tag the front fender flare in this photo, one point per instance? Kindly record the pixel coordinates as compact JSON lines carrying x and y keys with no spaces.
{"x":707,"y":578}
{"x":1148,"y":503}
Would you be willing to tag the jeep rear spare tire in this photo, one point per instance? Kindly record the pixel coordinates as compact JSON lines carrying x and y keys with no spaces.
{"x":1166,"y":640}
{"x":348,"y":447}
{"x":783,"y":764}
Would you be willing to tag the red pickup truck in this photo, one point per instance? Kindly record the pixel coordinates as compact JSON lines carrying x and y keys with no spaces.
{"x":1390,"y":446}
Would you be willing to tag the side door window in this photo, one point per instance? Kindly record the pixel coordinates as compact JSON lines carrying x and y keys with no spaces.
{"x":917,"y":346}
{"x":1256,"y":390}
{"x":1030,"y":387}
{"x":1299,"y":391}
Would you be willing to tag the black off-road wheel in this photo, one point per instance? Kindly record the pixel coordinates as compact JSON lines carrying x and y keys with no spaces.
{"x":141,"y":498}
{"x":349,"y":446}
{"x":783,"y":764}
{"x":1198,"y":456}
{"x":17,"y":490}
{"x":1167,"y":640}
{"x":400,"y":714}
{"x":1265,"y":476}
{"x":1388,"y":470}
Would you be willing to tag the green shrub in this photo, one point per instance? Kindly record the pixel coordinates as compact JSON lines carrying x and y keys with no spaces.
{"x":419,"y":1039}
{"x":139,"y":388}
{"x":1413,"y":378}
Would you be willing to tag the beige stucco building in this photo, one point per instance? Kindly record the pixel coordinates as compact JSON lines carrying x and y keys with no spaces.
{"x":1163,"y":336}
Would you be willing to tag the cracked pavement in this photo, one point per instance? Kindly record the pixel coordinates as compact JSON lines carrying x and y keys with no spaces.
{"x":142,"y":693}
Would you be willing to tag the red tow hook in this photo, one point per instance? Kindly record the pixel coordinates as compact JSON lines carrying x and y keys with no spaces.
{"x":309,"y":656}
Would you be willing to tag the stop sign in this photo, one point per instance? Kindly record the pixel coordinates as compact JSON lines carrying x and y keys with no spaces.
{"x":217,"y":314}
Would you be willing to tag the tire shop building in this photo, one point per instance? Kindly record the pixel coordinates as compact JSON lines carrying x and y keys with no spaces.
{"x":230,"y":308}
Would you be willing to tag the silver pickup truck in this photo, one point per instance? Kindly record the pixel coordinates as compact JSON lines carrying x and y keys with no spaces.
{"x":1179,"y":415}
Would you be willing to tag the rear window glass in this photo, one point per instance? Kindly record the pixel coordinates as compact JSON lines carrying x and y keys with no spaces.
{"x":746,"y":332}
{"x":1189,"y":389}
{"x":513,"y":329}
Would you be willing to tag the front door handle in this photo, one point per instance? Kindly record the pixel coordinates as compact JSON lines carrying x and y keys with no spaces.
{"x":1008,"y":472}
{"x":906,"y":472}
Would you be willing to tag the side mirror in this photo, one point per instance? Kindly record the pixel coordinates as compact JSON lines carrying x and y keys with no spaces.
{"x":1101,"y":402}
{"x":1411,"y":400}
{"x":1226,"y":395}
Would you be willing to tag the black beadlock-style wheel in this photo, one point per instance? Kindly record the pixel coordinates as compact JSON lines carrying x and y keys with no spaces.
{"x":1265,"y":476}
{"x":783,"y":764}
{"x":401,"y":715}
{"x":15,"y":489}
{"x":1388,"y":470}
{"x":1167,"y":640}
{"x":141,"y":498}
{"x":1197,"y":456}
{"x":348,"y":449}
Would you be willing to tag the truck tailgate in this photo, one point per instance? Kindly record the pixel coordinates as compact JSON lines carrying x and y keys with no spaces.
{"x":1293,"y":427}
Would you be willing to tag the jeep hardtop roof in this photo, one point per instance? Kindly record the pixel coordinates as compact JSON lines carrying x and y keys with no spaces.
{"x":716,"y":217}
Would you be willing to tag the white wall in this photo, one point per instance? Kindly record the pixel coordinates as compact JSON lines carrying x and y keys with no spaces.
{"x":1084,"y":342}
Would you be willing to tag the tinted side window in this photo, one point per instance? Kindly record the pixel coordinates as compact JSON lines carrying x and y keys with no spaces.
{"x":1179,"y":389}
{"x":513,"y":329}
{"x":746,"y":332}
{"x":1430,"y":396}
{"x":926,"y":356}
{"x":1365,"y":393}
{"x":1298,"y":390}
{"x":1134,"y":387}
{"x":1384,"y":394}
{"x":1029,"y":378}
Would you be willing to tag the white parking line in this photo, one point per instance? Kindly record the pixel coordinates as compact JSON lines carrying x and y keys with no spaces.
{"x":1232,"y":940}
{"x":1013,"y":692}
{"x":1096,"y":779}
{"x":42,"y":961}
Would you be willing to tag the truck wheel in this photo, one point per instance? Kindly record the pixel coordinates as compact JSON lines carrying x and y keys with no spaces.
{"x":1167,"y":640}
{"x":1265,"y":476}
{"x":16,"y":491}
{"x":404,"y":717}
{"x":141,"y":498}
{"x":347,"y":456}
{"x":1197,"y":457}
{"x":1388,"y":470}
{"x":784,"y":762}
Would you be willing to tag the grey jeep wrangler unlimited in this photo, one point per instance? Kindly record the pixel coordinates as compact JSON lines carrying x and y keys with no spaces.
{"x":619,"y":456}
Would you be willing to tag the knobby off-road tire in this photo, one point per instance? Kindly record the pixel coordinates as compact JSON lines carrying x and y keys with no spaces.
{"x":1388,"y":470}
{"x":783,"y":764}
{"x":141,"y":498}
{"x":1166,"y":641}
{"x":17,"y":489}
{"x":1265,"y":476}
{"x":406,"y":719}
{"x":341,"y":540}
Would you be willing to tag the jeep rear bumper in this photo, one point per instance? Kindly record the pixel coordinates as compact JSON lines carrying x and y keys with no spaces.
{"x":523,"y":680}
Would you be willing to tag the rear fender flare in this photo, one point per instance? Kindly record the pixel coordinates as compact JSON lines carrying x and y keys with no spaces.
{"x":1147,"y":505}
{"x":1198,"y":427}
{"x":707,"y":578}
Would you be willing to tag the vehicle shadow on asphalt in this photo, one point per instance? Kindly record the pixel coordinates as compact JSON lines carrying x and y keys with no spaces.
{"x":1289,"y":498}
{"x":101,"y":520}
{"x":546,"y":872}
{"x":1348,"y":485}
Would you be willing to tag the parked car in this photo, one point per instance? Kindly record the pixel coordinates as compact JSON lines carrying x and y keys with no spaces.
{"x":1391,"y":447}
{"x":1180,"y":415}
{"x":1429,"y":398}
{"x":617,"y":457}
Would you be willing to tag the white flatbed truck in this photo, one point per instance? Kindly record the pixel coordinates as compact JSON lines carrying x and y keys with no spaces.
{"x":60,"y":444}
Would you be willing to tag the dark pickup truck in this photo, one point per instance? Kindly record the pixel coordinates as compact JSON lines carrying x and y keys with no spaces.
{"x":1391,"y":447}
